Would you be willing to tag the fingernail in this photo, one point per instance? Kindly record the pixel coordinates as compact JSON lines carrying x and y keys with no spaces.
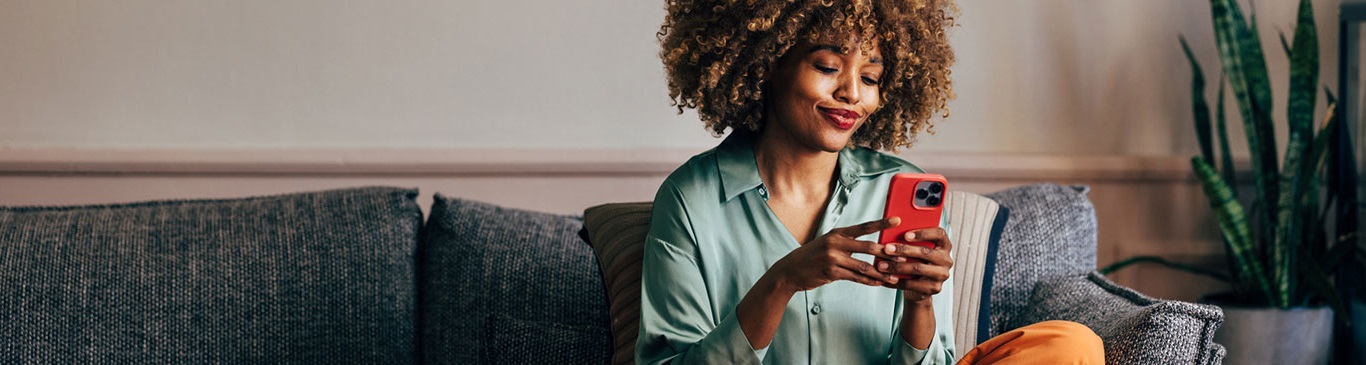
{"x":910,"y":236}
{"x":893,"y":280}
{"x":891,"y":248}
{"x":882,"y":266}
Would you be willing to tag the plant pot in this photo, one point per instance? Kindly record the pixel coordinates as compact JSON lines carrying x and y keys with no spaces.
{"x":1265,"y":335}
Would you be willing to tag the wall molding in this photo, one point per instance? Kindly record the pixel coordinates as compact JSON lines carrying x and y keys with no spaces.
{"x":548,"y":162}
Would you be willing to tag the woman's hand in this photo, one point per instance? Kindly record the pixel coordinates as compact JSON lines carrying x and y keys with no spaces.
{"x":827,"y":259}
{"x":927,"y":268}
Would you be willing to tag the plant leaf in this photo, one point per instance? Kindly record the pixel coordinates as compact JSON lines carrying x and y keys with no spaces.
{"x":1233,"y":223}
{"x":1298,"y":175}
{"x":1240,"y":52}
{"x":1199,"y":105}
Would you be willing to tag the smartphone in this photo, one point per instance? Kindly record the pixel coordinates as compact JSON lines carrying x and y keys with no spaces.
{"x":919,"y":200}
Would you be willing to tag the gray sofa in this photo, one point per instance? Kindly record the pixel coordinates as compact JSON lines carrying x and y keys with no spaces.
{"x":356,"y":276}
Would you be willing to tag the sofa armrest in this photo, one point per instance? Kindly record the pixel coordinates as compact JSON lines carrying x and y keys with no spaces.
{"x":1136,"y":329}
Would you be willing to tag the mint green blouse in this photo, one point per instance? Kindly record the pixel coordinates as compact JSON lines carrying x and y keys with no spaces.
{"x":712,"y":236}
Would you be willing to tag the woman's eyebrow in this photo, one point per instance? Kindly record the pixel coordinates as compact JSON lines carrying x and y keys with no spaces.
{"x":825,"y":47}
{"x":836,"y":49}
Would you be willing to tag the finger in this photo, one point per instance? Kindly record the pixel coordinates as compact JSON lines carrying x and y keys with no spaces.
{"x":918,"y":270}
{"x":865,"y":269}
{"x":842,"y":273}
{"x":915,"y":252}
{"x":856,"y":246}
{"x":935,"y":235}
{"x":859,"y":230}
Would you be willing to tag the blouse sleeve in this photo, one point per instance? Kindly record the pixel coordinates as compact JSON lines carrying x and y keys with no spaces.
{"x":677,"y":323}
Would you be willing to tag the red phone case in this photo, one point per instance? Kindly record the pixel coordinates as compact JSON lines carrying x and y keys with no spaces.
{"x":919,"y":200}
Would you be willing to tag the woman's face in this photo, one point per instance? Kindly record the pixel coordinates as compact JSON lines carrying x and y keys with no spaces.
{"x":818,"y":97}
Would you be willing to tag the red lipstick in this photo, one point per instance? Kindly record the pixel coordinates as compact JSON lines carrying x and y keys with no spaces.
{"x":841,"y":118}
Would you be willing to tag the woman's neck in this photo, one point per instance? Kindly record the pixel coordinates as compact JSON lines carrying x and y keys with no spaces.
{"x":793,"y":171}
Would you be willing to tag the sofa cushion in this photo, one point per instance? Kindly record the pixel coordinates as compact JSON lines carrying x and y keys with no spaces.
{"x":311,"y":278}
{"x":1136,"y":329}
{"x":508,"y":286}
{"x":976,"y":223}
{"x":1051,"y":233}
{"x":617,"y":234}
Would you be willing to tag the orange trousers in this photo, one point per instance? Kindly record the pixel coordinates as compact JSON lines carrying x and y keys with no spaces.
{"x":1050,"y":342}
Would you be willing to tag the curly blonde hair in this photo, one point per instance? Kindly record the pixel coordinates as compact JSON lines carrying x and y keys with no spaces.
{"x":718,"y":52}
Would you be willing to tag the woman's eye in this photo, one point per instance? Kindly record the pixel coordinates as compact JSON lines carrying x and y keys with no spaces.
{"x":870,"y":80}
{"x":826,"y":70}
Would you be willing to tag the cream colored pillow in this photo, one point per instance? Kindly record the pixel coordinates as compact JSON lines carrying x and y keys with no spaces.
{"x":976,"y":222}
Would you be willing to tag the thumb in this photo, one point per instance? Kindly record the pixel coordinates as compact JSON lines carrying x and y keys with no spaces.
{"x":859,"y":230}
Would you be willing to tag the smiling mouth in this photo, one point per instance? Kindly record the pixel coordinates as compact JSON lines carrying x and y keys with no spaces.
{"x":841,"y":118}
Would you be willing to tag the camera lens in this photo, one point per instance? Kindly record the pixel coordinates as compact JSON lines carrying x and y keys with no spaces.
{"x":936,"y":188}
{"x":921,"y":194}
{"x":932,"y":201}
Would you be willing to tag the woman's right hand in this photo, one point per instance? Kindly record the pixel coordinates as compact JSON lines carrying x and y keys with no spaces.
{"x":828,"y":258}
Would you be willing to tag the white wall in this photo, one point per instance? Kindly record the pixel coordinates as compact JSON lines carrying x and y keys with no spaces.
{"x":1035,"y":76}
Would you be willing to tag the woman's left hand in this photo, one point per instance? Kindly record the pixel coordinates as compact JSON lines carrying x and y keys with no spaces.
{"x":926,"y":268}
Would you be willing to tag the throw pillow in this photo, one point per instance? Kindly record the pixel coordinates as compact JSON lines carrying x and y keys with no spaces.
{"x":1136,"y":329}
{"x":507,"y":286}
{"x":1051,"y":233}
{"x":975,"y":223}
{"x":617,"y":234}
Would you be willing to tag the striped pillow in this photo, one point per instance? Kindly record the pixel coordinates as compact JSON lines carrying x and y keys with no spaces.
{"x":617,"y":234}
{"x":976,"y":222}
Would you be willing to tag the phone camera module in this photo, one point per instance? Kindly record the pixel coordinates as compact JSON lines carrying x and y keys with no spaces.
{"x":928,"y":194}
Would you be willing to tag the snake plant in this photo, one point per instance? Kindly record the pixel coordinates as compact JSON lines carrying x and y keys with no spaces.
{"x":1279,"y":251}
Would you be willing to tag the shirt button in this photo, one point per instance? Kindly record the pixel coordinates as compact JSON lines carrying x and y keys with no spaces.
{"x":816,"y":309}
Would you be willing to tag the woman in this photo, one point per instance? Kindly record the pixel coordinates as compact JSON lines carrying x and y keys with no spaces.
{"x":760,"y":250}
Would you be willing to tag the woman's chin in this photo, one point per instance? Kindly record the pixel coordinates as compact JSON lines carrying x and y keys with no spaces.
{"x":832,"y":143}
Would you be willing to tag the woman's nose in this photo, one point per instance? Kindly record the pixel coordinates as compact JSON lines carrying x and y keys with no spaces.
{"x":848,"y":90}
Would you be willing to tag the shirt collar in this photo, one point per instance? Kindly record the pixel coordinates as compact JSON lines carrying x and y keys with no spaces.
{"x":740,"y":172}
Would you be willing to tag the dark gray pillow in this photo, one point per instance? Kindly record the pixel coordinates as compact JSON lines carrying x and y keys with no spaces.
{"x":508,"y":286}
{"x":1136,"y":329}
{"x":1051,"y":232}
{"x":311,"y":278}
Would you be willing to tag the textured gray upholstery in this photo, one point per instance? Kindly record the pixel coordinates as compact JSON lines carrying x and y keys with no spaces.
{"x":1051,"y":232}
{"x":1045,"y":269}
{"x":312,"y":278}
{"x":1136,"y":329}
{"x":507,"y":286}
